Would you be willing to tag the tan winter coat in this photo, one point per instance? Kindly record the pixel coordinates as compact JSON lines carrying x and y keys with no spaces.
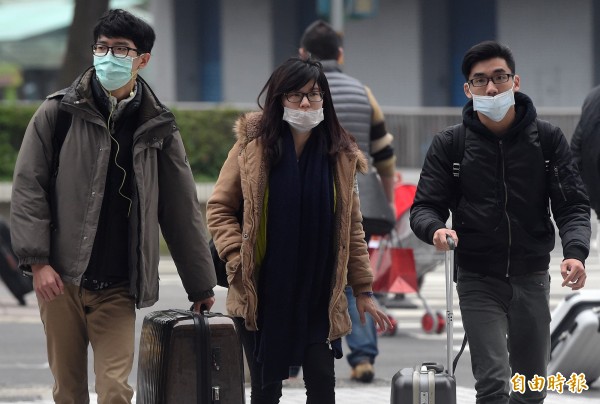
{"x":244,"y":176}
{"x":164,"y":194}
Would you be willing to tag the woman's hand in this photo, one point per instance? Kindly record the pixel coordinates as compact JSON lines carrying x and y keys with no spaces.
{"x":366,"y":304}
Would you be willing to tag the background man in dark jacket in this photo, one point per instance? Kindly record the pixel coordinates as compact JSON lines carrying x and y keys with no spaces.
{"x":501,"y":222}
{"x":585,"y":146}
{"x":91,"y":237}
{"x":360,"y":114}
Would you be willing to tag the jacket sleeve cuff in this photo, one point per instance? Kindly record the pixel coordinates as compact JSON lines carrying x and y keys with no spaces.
{"x":363,"y":287}
{"x":201,"y":296}
{"x":577,"y":252}
{"x":25,"y":263}
{"x":431,"y":231}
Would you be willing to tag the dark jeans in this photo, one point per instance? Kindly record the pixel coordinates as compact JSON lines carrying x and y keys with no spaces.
{"x":318,"y":373}
{"x":507,"y":322}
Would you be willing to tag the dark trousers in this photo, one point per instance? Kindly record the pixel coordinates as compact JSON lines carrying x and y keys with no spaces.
{"x":318,"y":373}
{"x":507,"y":322}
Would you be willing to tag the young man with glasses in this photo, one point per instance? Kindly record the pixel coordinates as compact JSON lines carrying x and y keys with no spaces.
{"x":501,"y":222}
{"x":87,"y":229}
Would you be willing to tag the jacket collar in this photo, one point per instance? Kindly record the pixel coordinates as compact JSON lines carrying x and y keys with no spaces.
{"x":331,"y":65}
{"x":80,"y":93}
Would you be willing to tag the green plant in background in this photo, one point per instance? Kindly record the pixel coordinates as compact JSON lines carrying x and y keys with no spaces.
{"x":207,"y":136}
{"x":13,"y":122}
{"x":10,"y":79}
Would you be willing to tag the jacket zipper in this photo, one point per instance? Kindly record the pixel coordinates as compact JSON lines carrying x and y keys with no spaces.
{"x":506,"y":208}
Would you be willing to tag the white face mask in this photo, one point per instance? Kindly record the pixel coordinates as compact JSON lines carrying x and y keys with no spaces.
{"x":494,"y":107}
{"x":113,"y":72}
{"x":302,"y":121}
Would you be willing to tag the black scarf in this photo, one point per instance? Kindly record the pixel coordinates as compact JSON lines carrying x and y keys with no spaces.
{"x":295,"y":278}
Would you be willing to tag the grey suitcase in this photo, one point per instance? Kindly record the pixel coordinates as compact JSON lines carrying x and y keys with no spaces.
{"x":429,"y":383}
{"x":575,"y":336}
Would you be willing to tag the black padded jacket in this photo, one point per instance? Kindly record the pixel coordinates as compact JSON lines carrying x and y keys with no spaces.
{"x":585,"y":145}
{"x":500,"y":202}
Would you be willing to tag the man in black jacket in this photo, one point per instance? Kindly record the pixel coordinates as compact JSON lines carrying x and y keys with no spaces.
{"x":501,"y":223}
{"x":585,"y":145}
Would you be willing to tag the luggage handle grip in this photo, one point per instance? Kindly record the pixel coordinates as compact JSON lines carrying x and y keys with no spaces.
{"x":203,"y":309}
{"x":437,"y":367}
{"x":450,"y":241}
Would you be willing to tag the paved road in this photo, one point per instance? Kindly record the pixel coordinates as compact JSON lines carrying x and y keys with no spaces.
{"x":25,"y":377}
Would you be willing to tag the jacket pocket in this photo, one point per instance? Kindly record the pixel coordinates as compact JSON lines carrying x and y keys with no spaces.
{"x":237,"y":298}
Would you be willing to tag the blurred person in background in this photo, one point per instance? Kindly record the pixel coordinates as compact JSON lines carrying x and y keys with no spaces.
{"x":585,"y":145}
{"x":360,"y":115}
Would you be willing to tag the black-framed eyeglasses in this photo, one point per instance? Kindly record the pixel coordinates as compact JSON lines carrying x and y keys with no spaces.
{"x":297,"y":96}
{"x":118,"y":51}
{"x":496,"y":79}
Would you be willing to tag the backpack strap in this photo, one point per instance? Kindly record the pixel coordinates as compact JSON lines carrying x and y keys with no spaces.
{"x":458,"y":148}
{"x":544,"y":133}
{"x":458,"y":151}
{"x":545,"y":136}
{"x":61,"y":127}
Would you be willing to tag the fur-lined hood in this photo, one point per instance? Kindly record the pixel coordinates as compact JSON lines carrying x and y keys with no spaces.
{"x":247,"y":128}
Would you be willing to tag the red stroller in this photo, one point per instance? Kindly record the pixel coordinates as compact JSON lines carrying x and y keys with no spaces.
{"x":400,"y":260}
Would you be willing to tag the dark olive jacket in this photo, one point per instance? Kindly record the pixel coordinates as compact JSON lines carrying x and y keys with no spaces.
{"x":164,"y":194}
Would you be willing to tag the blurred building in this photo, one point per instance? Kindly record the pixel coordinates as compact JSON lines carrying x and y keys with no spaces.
{"x":33,"y":36}
{"x":407,"y":51}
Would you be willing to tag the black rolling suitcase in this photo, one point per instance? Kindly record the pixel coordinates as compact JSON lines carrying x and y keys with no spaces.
{"x":429,"y":383}
{"x":18,"y":284}
{"x":185,"y":357}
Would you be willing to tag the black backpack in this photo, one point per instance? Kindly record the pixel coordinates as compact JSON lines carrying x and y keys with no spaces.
{"x":458,"y":151}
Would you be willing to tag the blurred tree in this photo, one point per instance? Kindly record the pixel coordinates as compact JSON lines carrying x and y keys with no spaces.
{"x":78,"y":56}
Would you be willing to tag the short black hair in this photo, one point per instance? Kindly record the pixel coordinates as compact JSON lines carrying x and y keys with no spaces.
{"x":117,"y":23}
{"x":321,"y":41}
{"x":484,"y":51}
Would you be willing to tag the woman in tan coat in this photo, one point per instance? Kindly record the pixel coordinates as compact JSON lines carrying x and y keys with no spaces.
{"x":292,"y":174}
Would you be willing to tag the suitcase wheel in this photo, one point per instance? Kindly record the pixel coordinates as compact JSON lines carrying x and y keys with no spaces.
{"x":429,"y":323}
{"x":441,"y":322}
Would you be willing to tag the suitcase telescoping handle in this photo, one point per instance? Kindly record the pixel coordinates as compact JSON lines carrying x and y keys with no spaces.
{"x":449,"y":304}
